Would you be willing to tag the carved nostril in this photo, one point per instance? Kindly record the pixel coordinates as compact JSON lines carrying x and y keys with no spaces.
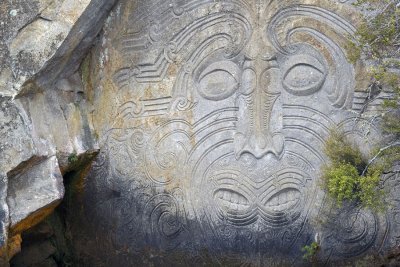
{"x":261,"y":142}
{"x":278,"y":141}
{"x":259,"y":145}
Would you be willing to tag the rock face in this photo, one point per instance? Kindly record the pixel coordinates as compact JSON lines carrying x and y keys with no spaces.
{"x":43,"y":112}
{"x":211,"y":118}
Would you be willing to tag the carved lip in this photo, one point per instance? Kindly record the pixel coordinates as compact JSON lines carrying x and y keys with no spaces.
{"x":242,"y":202}
{"x":280,"y":202}
{"x":283,"y":200}
{"x":231,"y":200}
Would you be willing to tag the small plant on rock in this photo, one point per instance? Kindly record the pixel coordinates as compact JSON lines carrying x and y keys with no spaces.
{"x":73,"y":158}
{"x":310,"y":251}
{"x":377,"y":41}
{"x":350,"y":176}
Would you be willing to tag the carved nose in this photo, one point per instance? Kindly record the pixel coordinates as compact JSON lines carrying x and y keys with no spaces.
{"x":259,"y":145}
{"x":258,"y":126}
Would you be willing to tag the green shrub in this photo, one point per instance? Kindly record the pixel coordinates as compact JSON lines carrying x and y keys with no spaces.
{"x":350,"y":176}
{"x":340,"y":151}
{"x":378,"y":36}
{"x":310,"y":251}
{"x":342,"y":182}
{"x":369,"y":193}
{"x":377,"y":40}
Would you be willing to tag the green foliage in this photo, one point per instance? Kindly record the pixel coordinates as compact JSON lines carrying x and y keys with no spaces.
{"x":369,"y":193}
{"x":377,"y":40}
{"x":391,"y":124}
{"x":353,"y":52}
{"x":349,"y":176}
{"x":389,"y":155}
{"x":72,"y":158}
{"x":378,"y":35}
{"x":342,"y":181}
{"x":310,"y":251}
{"x":340,"y":150}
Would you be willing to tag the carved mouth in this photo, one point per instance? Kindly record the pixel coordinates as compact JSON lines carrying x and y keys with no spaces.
{"x":244,"y":202}
{"x":283,"y":200}
{"x":231,"y":200}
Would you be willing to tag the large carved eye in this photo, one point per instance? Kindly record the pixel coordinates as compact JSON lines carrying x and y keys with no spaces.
{"x":304,"y":75}
{"x":219,"y":80}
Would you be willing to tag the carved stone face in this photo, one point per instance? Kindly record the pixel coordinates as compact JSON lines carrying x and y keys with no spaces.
{"x":213,"y":117}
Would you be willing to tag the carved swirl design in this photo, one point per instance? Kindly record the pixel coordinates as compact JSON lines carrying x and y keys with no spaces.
{"x":353,"y":232}
{"x":182,"y":104}
{"x":228,"y":105}
{"x":163,"y":160}
{"x":340,"y":91}
{"x":162,"y":216}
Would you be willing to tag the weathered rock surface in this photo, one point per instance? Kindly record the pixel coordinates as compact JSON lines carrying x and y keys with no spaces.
{"x":17,"y":150}
{"x":211,"y":118}
{"x":31,"y":194}
{"x":44,"y":124}
{"x":44,"y":39}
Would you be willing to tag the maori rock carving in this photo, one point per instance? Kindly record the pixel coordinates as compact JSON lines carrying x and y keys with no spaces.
{"x":221,"y":110}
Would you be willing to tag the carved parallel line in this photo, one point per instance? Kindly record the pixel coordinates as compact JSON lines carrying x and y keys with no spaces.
{"x":215,"y":161}
{"x":121,"y":77}
{"x":252,"y":187}
{"x":215,"y":122}
{"x":310,"y":11}
{"x":246,"y":188}
{"x":157,"y":99}
{"x":292,"y":153}
{"x":155,"y":104}
{"x":267,"y":109}
{"x":163,"y":19}
{"x":196,"y":4}
{"x":193,"y":28}
{"x":154,"y":109}
{"x":208,"y":150}
{"x":156,"y":72}
{"x":131,"y":45}
{"x":154,"y":66}
{"x":305,"y":119}
{"x":287,"y":106}
{"x":215,"y":112}
{"x":202,"y":140}
{"x":152,"y":78}
{"x":182,"y":78}
{"x":305,"y":129}
{"x":310,"y":148}
{"x":247,"y":219}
